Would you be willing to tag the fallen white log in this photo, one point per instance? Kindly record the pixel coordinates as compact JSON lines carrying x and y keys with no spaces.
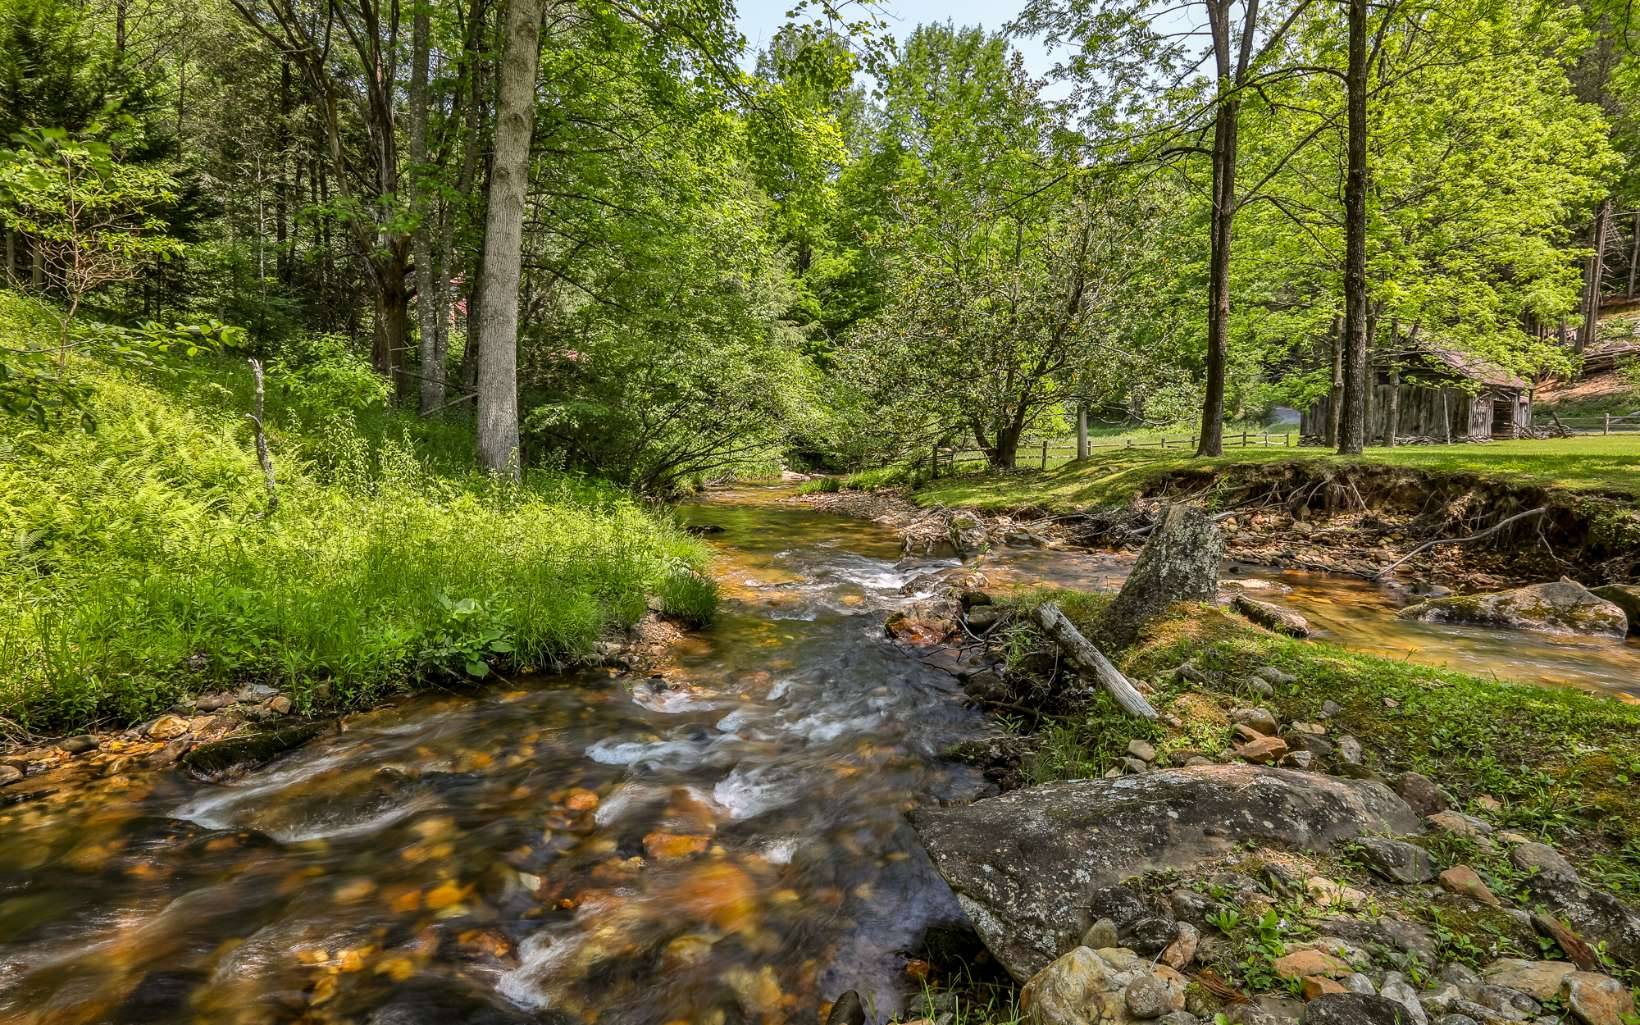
{"x":1090,"y":661}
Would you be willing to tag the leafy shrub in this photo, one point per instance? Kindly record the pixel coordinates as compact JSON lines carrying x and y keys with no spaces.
{"x":688,"y":595}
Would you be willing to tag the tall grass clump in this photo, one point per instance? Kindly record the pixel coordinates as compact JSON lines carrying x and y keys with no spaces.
{"x":139,"y":565}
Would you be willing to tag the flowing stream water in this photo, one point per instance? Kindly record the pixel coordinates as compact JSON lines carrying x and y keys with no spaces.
{"x":722,"y":844}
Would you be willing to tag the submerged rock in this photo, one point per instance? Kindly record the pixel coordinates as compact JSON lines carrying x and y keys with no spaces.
{"x":1023,"y":865}
{"x":1561,"y":606}
{"x":226,"y":758}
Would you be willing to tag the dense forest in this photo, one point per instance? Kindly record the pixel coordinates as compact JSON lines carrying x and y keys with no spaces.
{"x":631,"y":257}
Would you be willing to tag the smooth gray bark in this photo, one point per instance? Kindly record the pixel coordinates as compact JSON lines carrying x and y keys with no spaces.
{"x":504,"y":240}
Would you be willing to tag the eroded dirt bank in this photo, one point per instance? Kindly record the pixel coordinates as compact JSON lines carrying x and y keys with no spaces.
{"x":1357,"y":520}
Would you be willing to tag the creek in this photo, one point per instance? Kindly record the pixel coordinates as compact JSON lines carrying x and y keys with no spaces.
{"x":722,"y":843}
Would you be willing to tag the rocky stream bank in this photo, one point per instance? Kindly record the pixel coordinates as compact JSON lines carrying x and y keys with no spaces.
{"x":1263,"y":851}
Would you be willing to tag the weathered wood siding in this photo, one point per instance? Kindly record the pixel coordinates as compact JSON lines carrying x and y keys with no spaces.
{"x":1426,"y":412}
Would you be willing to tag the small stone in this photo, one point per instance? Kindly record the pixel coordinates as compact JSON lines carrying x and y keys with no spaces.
{"x":1262,"y":688}
{"x":1357,"y":1009}
{"x":1148,"y":997}
{"x":9,"y":774}
{"x":1297,"y":759}
{"x":1329,"y":709}
{"x":1180,"y":1018}
{"x":214,"y":702}
{"x":1199,"y":760}
{"x":1511,"y":1003}
{"x":1459,"y":824}
{"x":1456,"y":1019}
{"x":1261,"y":720}
{"x":1101,"y":935}
{"x":167,"y":727}
{"x":254,"y":693}
{"x":1512,"y":838}
{"x":1397,"y":861}
{"x":1182,"y":951}
{"x":1349,"y":749}
{"x":1330,"y":894}
{"x":79,"y":745}
{"x":1422,"y":794}
{"x":1263,"y":751}
{"x":1543,"y":860}
{"x":1489,"y":804}
{"x":1461,"y":976}
{"x":1135,"y":765}
{"x":1313,"y":986}
{"x":1355,"y":982}
{"x":1302,"y":963}
{"x":1463,"y":880}
{"x":1397,"y":988}
{"x":1314,"y":729}
{"x":1597,"y":999}
{"x":1142,"y":750}
{"x":1391,"y":703}
{"x":280,"y":704}
{"x":1275,"y":676}
{"x":1541,"y":980}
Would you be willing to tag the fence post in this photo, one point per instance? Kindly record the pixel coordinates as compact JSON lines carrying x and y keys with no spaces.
{"x":1130,"y":443}
{"x":1287,"y":439}
{"x":1243,"y":439}
{"x":1044,"y":455}
{"x":1164,"y":442}
{"x":1266,"y":439}
{"x":1607,"y":429}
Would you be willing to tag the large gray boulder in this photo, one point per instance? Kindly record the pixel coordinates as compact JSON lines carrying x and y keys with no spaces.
{"x":1561,"y":606}
{"x":1026,"y":866}
{"x":1180,"y":562}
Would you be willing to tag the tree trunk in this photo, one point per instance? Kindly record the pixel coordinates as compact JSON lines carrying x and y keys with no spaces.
{"x":1218,"y":275}
{"x":429,"y":308}
{"x":1081,"y":430}
{"x":1335,"y":394}
{"x":1180,"y":562}
{"x":1353,"y":420}
{"x":1392,"y":418}
{"x":1595,"y":269}
{"x":281,"y":184}
{"x":504,"y":241}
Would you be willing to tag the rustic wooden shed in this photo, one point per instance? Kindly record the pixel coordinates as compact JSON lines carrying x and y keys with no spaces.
{"x":1435,"y":394}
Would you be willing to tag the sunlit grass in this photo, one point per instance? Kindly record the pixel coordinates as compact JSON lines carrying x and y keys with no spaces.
{"x":1594,"y":464}
{"x":139,"y":565}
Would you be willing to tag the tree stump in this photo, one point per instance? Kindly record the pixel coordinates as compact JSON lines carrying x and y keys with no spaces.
{"x":1180,"y":562}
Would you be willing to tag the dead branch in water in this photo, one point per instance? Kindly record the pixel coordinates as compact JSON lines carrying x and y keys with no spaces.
{"x":1488,"y":532}
{"x":1090,"y":661}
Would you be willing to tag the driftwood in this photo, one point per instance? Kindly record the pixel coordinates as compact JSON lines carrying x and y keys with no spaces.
{"x":1090,"y":661}
{"x":1488,"y":532}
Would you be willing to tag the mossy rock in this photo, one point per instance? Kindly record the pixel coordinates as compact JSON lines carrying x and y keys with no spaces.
{"x":1561,"y":606}
{"x":233,"y":756}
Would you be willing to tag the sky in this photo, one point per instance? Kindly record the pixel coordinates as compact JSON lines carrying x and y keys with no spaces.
{"x":759,"y":20}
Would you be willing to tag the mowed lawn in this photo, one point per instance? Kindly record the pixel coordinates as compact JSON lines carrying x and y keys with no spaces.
{"x":1598,"y":464}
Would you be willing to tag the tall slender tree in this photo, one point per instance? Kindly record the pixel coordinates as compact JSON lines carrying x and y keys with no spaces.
{"x":504,"y":240}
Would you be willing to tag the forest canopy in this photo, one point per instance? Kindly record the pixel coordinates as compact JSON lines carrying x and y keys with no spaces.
{"x":619,"y":242}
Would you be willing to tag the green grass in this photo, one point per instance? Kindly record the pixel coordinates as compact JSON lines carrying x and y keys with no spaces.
{"x":139,"y":568}
{"x":1606,"y":465}
{"x":1563,"y":762}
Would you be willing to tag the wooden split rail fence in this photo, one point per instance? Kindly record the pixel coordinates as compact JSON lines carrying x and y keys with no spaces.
{"x":1057,"y":451}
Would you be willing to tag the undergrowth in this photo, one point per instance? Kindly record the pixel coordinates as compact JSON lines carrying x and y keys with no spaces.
{"x":140,"y":565}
